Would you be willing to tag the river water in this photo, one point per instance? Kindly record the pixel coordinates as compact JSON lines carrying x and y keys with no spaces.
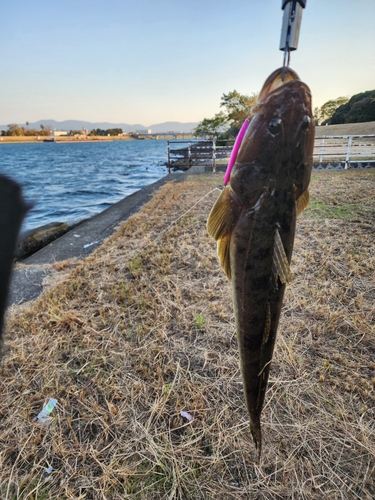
{"x":69,"y":182}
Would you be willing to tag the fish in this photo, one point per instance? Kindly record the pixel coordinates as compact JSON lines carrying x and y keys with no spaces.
{"x":254,"y":222}
{"x":13,"y":209}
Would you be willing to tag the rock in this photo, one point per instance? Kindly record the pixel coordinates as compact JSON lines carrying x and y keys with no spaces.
{"x":35,"y":239}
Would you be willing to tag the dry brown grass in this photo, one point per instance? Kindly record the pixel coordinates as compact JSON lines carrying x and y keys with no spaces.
{"x":143,"y":329}
{"x":365,"y":128}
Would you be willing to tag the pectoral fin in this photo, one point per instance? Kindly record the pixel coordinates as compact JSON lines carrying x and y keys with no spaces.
{"x":220,"y":224}
{"x":280,"y":265}
{"x":303,"y":201}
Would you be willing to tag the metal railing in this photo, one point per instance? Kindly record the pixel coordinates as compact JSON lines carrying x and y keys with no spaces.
{"x":199,"y":152}
{"x":345,"y":149}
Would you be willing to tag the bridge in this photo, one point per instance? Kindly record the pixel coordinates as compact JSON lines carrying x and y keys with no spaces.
{"x":164,"y":135}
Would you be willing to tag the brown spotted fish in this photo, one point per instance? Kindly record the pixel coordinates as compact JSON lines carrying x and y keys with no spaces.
{"x":254,"y":220}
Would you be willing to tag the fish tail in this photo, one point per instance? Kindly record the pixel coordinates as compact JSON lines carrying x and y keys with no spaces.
{"x":256,"y":433}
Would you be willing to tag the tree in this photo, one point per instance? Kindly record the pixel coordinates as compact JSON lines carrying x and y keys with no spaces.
{"x":360,"y":108}
{"x":110,"y":131}
{"x":227,"y":123}
{"x":317,"y":116}
{"x":45,"y":130}
{"x":211,"y":127}
{"x":14,"y":129}
{"x":114,"y":131}
{"x":328,"y":108}
{"x":238,"y":107}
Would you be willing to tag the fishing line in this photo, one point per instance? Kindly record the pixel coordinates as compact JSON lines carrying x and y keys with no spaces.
{"x":140,"y":250}
{"x":182,"y":215}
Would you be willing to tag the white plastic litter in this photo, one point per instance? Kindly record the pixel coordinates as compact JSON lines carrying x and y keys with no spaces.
{"x":47,"y":474}
{"x":188,"y":416}
{"x":89,"y":244}
{"x":43,"y":416}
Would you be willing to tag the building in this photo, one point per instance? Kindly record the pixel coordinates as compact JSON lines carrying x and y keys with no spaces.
{"x":144,"y":131}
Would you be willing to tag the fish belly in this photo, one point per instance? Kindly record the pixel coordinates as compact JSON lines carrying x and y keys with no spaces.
{"x":257,"y":300}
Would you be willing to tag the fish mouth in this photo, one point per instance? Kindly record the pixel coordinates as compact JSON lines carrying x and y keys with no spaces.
{"x":277,"y":80}
{"x":276,"y":84}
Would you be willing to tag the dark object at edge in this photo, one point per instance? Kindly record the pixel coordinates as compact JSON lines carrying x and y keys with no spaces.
{"x":12,"y":211}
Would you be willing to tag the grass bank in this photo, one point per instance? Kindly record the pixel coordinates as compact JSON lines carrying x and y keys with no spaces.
{"x":364,"y":128}
{"x":143,"y":330}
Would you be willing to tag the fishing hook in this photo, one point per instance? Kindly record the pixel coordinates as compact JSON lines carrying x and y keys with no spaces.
{"x":286,"y":61}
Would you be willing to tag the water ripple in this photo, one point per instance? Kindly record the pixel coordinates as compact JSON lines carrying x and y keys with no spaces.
{"x":72,"y":181}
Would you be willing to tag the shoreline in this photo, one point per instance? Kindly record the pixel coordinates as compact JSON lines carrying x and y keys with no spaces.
{"x":176,"y":175}
{"x":79,"y":241}
{"x":361,"y":128}
{"x":88,"y":139}
{"x":47,"y":139}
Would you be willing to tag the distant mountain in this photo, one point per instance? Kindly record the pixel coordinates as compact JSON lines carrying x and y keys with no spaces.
{"x":173,"y":127}
{"x":78,"y":125}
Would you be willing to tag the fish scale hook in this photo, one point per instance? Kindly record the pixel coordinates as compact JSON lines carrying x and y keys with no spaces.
{"x":290,"y":28}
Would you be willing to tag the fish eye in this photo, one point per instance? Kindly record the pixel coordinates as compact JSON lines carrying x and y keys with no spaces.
{"x":274,"y":125}
{"x":306,"y":121}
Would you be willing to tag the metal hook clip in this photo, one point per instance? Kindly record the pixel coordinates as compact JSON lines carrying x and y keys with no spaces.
{"x":290,"y":28}
{"x":286,"y":61}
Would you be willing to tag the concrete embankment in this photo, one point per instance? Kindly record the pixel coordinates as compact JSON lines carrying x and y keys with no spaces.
{"x":78,"y":243}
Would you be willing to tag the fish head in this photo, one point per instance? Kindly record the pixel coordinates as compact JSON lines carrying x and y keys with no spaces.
{"x":276,"y":151}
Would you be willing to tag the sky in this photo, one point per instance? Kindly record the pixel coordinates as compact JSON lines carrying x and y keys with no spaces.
{"x":151,"y":61}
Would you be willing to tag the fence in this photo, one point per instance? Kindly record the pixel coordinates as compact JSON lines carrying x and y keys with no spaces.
{"x":198,"y":153}
{"x":344,"y":148}
{"x":337,"y":150}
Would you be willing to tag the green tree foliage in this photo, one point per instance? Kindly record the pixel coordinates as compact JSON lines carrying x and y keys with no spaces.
{"x":317,"y":116}
{"x":360,"y":108}
{"x":16,"y":130}
{"x":328,"y":108}
{"x":211,"y":127}
{"x":110,"y":131}
{"x":227,"y":123}
{"x":237,"y":107}
{"x":13,"y":130}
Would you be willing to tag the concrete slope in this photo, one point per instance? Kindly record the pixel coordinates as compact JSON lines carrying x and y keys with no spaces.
{"x":27,"y":281}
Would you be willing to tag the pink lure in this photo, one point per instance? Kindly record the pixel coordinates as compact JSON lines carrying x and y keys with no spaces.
{"x":235,"y":149}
